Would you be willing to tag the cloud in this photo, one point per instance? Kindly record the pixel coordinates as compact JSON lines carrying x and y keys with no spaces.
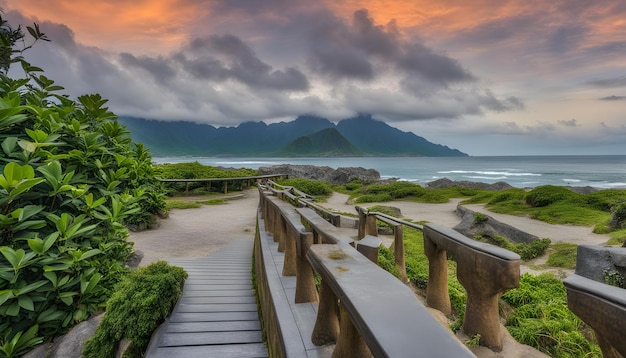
{"x":613,"y":98}
{"x":613,"y":82}
{"x":569,"y":123}
{"x":327,"y":66}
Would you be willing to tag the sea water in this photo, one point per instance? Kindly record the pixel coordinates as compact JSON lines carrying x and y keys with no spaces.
{"x":600,"y":171}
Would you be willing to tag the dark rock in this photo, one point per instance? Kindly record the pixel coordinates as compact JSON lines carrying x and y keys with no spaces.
{"x":447,"y":183}
{"x":71,"y":344}
{"x":490,"y":227}
{"x":342,"y":175}
{"x":592,"y":261}
{"x":135,"y":259}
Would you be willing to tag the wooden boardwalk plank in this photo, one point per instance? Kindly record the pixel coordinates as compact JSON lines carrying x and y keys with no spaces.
{"x":217,"y":313}
{"x":209,"y":338}
{"x":222,"y":351}
{"x":218,"y":326}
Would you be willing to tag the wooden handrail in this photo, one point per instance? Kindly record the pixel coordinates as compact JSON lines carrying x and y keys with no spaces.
{"x":358,"y":289}
{"x":485,"y":271}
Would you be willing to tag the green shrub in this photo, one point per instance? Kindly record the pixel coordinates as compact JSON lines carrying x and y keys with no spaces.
{"x":387,"y":262}
{"x":139,"y":304}
{"x":373,"y":198}
{"x":480,"y":218}
{"x":70,"y":179}
{"x":311,"y":187}
{"x":548,"y":194}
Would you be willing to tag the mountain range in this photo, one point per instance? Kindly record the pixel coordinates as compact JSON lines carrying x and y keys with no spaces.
{"x":306,"y":136}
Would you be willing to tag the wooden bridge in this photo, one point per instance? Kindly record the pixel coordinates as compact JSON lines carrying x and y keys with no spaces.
{"x":359,"y":309}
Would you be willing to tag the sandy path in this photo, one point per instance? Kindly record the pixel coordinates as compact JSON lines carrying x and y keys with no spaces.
{"x":445,"y":214}
{"x":199,"y":232}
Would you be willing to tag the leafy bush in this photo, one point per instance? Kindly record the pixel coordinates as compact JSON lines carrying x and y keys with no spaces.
{"x":311,"y":187}
{"x":549,"y":194}
{"x":195,"y":170}
{"x":71,"y":178}
{"x":139,"y":304}
{"x":614,"y":278}
{"x":373,"y":198}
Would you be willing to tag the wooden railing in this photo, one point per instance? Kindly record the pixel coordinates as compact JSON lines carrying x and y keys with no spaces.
{"x":485,"y":271}
{"x":241,"y":180}
{"x":601,"y":306}
{"x":362,"y":309}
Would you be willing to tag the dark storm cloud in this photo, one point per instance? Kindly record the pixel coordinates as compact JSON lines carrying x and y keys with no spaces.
{"x":228,"y":57}
{"x":365,"y":51}
{"x":159,"y":67}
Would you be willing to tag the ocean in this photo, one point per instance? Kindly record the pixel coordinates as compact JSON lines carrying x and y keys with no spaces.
{"x":599,"y":171}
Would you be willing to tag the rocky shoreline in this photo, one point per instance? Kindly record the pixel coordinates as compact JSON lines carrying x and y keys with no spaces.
{"x":344,"y":175}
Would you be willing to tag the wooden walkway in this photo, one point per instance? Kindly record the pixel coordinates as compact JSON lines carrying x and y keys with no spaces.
{"x":217,"y":313}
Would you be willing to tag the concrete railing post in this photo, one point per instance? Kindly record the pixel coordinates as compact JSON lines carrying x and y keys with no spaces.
{"x":349,"y":343}
{"x":367,"y":223}
{"x":289,"y":238}
{"x":305,"y":279}
{"x":326,"y":328}
{"x":398,"y":251}
{"x":278,"y":226}
{"x":437,"y":295}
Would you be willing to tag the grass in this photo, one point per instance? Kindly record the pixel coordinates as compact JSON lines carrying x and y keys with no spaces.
{"x":181,"y":204}
{"x":564,"y":255}
{"x":214,"y":202}
{"x":537,"y":313}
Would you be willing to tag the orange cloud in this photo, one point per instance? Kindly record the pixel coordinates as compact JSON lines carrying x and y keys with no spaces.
{"x":139,"y":26}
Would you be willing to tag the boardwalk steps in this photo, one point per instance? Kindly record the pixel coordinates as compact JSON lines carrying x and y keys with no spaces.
{"x":216,"y":315}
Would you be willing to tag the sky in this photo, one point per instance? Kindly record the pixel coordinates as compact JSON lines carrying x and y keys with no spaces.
{"x":506,"y":77}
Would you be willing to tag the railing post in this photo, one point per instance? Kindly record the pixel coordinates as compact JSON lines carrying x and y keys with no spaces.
{"x":349,"y":343}
{"x":279,"y":230}
{"x":398,"y":251}
{"x":326,"y":328}
{"x":289,"y":238}
{"x":305,"y":279}
{"x":367,"y":223}
{"x":437,"y":295}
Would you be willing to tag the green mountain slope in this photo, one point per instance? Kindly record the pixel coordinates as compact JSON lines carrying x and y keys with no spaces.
{"x":325,"y":143}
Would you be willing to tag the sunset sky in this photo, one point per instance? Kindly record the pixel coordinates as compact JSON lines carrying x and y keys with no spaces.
{"x":505,"y":77}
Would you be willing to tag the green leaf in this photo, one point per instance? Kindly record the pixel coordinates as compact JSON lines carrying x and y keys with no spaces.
{"x":90,"y":253}
{"x":5,"y":295}
{"x":9,"y":144}
{"x":28,"y":288}
{"x":36,"y":245}
{"x":26,"y":303}
{"x":13,"y":309}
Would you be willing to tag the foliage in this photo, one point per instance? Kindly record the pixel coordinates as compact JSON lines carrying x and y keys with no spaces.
{"x":139,"y":304}
{"x":195,"y":170}
{"x":181,"y":204}
{"x":70,"y":179}
{"x":311,"y":187}
{"x":526,"y":251}
{"x":618,"y":216}
{"x":549,"y":194}
{"x":387,"y":262}
{"x":480,"y":217}
{"x":541,"y":318}
{"x":564,"y":255}
{"x":614,"y":278}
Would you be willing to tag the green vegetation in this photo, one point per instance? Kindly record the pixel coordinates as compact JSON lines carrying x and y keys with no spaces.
{"x":141,"y":301}
{"x":70,"y":179}
{"x":603,"y":209}
{"x":195,"y":170}
{"x":540,"y":318}
{"x":182,"y":204}
{"x":614,"y":278}
{"x":312,"y":187}
{"x":526,"y":251}
{"x":564,"y":255}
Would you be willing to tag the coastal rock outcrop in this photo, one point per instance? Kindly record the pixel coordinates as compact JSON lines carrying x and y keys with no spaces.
{"x":342,"y":175}
{"x":447,"y":183}
{"x":489,"y":227}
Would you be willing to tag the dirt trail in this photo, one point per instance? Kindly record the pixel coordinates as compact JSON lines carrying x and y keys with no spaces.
{"x":199,"y":232}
